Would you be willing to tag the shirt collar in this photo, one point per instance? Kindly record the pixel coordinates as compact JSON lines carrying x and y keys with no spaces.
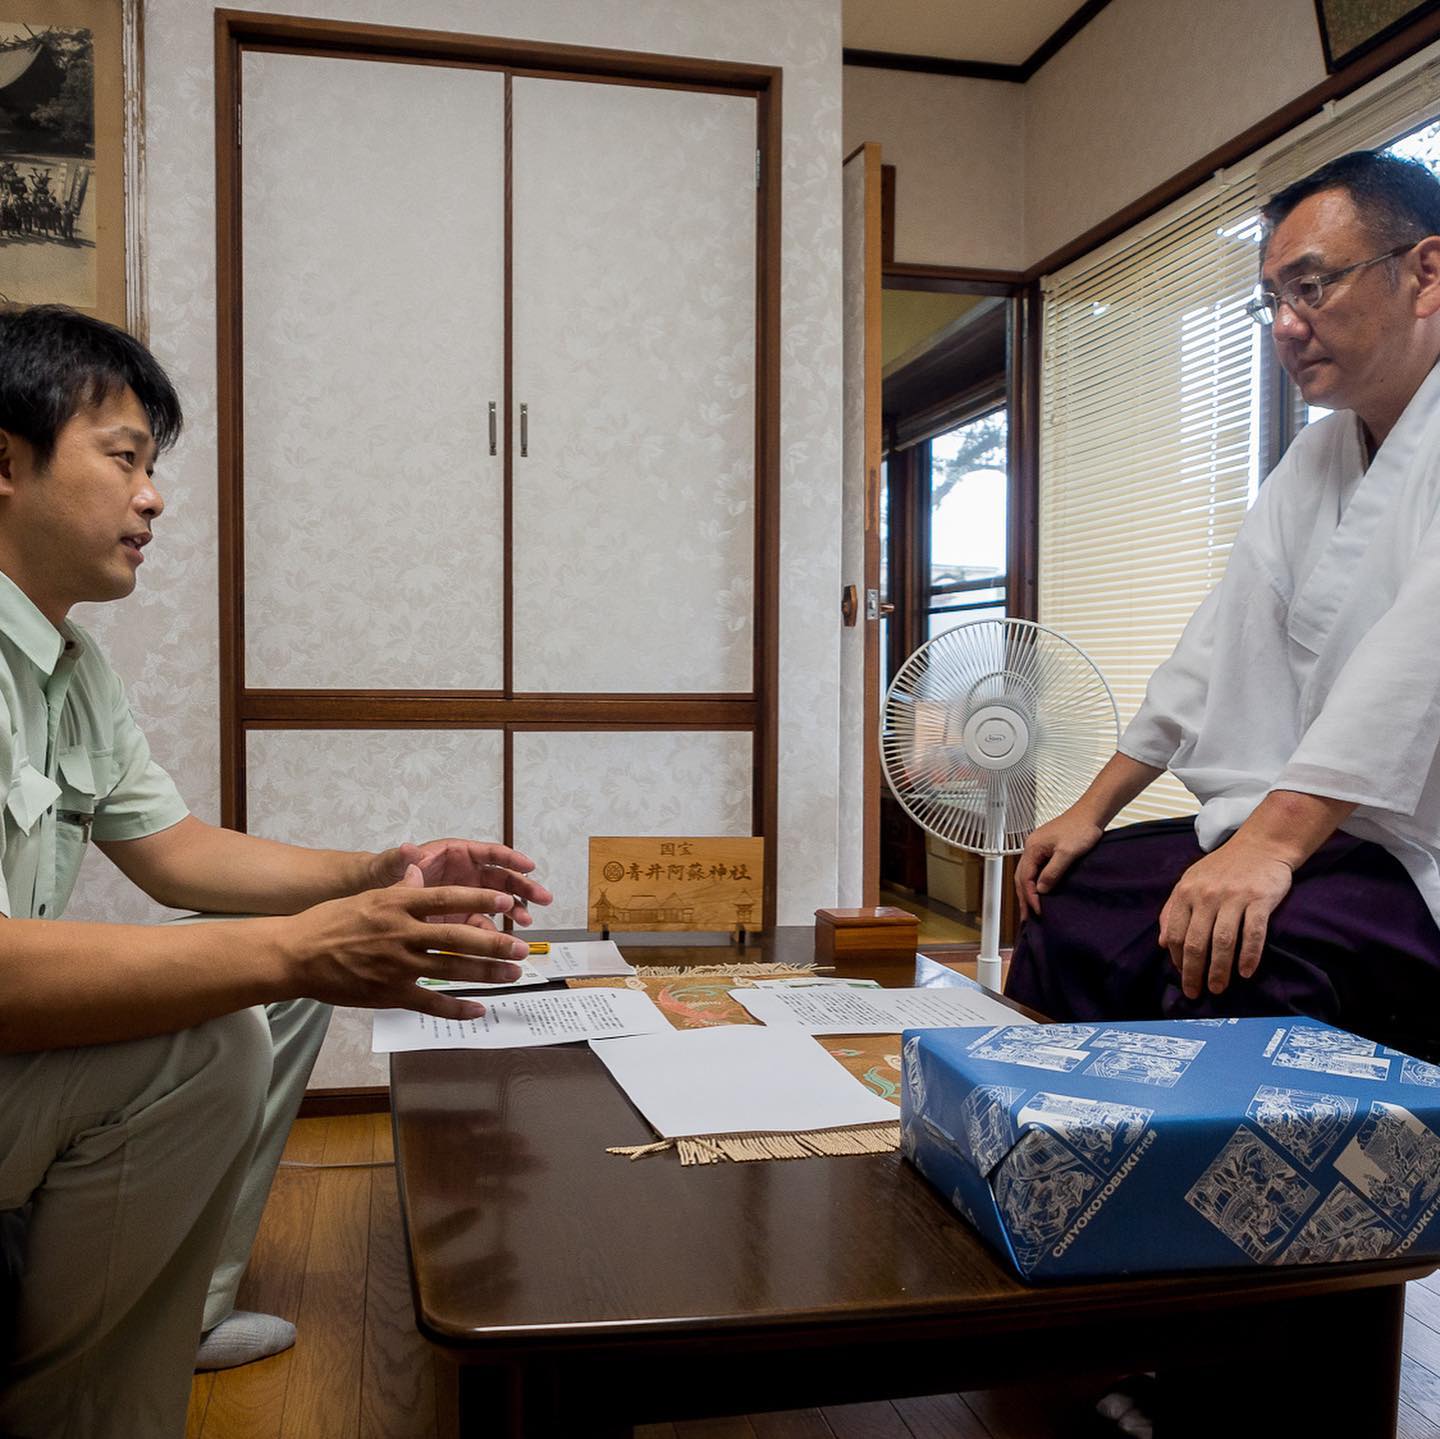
{"x":37,"y":639}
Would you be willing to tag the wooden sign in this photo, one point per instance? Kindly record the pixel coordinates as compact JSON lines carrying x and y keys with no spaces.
{"x":714,"y":883}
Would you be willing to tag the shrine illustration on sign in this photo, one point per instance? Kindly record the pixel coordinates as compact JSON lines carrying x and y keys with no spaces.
{"x":698,"y":883}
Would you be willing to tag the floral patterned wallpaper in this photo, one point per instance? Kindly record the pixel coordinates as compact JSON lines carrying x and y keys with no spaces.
{"x":164,"y":639}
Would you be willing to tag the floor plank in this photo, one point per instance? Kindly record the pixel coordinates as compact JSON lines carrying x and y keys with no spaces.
{"x":866,"y":1421}
{"x":323,"y":1396}
{"x":941,"y":1416}
{"x":1422,"y":1345}
{"x":1422,"y":1304}
{"x":200,"y":1390}
{"x":791,"y":1424}
{"x":654,"y":1431}
{"x":249,"y":1402}
{"x":715,"y":1429}
{"x":397,"y":1397}
{"x":1414,"y":1425}
{"x":1028,"y":1411}
{"x":1420,"y":1388}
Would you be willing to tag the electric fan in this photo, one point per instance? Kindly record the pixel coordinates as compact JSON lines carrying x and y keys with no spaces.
{"x":990,"y":730}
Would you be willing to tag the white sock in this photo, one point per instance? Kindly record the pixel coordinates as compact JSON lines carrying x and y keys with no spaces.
{"x":242,"y":1339}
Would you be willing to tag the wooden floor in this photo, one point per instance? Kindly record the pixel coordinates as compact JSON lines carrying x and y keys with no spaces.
{"x":330,"y":1257}
{"x":937,"y":925}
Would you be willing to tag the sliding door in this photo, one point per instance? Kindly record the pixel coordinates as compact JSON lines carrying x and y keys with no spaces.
{"x":634,"y":482}
{"x":373,"y":350}
{"x":497,"y":431}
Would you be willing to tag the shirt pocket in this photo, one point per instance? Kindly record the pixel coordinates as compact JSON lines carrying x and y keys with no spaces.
{"x":31,"y":794}
{"x":79,"y":771}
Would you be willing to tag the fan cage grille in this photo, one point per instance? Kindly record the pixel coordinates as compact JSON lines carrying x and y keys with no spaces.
{"x":1042,"y":678}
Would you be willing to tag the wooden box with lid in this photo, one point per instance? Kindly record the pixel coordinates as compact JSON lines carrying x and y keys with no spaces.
{"x":877,"y":942}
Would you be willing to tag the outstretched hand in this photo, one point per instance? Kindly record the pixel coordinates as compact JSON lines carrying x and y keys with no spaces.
{"x":469,"y":863}
{"x":369,"y":949}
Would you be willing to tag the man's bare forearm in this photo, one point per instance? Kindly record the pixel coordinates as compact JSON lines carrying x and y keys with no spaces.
{"x":194,"y":865}
{"x":64,"y":983}
{"x":1290,"y":826}
{"x":1118,"y":782}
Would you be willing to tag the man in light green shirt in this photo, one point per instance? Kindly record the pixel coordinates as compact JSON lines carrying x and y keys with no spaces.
{"x":149,"y":1074}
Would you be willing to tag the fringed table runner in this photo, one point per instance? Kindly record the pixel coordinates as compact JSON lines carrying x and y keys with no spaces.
{"x":697,"y":998}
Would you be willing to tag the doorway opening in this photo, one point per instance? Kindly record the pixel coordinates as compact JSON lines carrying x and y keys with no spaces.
{"x":947,"y":534}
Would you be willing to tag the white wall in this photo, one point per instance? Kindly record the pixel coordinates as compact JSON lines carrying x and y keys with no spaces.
{"x":1147,"y":88}
{"x":958,"y":149}
{"x":998,"y":175}
{"x":164,"y":640}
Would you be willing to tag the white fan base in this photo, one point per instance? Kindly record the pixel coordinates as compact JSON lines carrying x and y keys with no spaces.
{"x":987,"y":969}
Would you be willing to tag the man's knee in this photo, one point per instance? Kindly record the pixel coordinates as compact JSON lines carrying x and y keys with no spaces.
{"x":227,"y":1064}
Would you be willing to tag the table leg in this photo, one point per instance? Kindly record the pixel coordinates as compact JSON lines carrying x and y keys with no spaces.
{"x":1329,"y":1365}
{"x":506,"y":1404}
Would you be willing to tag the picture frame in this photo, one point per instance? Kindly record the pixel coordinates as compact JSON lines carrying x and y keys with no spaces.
{"x":1350,"y":28}
{"x":72,"y":157}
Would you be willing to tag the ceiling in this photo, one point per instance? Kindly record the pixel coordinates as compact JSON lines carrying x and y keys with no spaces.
{"x":996,"y":32}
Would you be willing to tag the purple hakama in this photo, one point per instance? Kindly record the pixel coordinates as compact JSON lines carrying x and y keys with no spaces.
{"x":1352,"y":944}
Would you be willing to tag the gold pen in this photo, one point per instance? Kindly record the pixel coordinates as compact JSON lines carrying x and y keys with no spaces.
{"x":539,"y":947}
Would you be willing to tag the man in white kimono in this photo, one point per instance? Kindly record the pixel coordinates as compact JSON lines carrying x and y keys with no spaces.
{"x":1302,"y":704}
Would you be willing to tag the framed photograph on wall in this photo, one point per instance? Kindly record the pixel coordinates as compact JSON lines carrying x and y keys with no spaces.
{"x":1348,"y":28}
{"x":70,"y":157}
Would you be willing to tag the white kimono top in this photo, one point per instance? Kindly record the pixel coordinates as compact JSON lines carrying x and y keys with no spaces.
{"x":1314,"y":665}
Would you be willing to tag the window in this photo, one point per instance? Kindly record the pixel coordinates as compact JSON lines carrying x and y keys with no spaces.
{"x":966,"y":575}
{"x":1150,"y":447}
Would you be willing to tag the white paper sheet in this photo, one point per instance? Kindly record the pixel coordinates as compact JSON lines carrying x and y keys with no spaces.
{"x":875,"y":1011}
{"x":593,"y":958}
{"x":530,"y":977}
{"x":820,"y":982}
{"x":737,"y":1079}
{"x":583,"y":958}
{"x":521,"y":1020}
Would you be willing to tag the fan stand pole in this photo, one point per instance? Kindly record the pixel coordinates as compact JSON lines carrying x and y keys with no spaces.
{"x":987,"y":969}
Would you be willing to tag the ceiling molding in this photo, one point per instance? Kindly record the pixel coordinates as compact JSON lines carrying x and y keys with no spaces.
{"x":1423,"y":31}
{"x":1048,"y":49}
{"x":934,"y":65}
{"x":982,"y":69}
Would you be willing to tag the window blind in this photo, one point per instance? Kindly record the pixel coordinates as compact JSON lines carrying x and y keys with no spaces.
{"x":1150,"y":402}
{"x":1366,"y":120}
{"x":1149,"y":441}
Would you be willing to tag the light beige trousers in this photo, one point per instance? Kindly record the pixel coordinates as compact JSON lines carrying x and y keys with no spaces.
{"x":135,"y":1174}
{"x":297,"y":1030}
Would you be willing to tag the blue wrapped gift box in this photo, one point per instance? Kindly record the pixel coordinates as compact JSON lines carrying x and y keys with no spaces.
{"x":1088,"y":1150}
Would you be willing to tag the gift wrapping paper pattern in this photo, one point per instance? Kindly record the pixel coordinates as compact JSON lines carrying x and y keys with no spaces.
{"x":1085,"y":1150}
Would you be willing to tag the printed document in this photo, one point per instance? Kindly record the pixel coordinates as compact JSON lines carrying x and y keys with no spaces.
{"x":582,"y":959}
{"x":738,"y":1079}
{"x":833,"y":1010}
{"x":522,"y":1020}
{"x":586,"y":958}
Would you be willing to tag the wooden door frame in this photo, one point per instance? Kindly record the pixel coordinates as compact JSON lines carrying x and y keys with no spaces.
{"x":1022,"y":368}
{"x":872,"y":446}
{"x":241,"y":708}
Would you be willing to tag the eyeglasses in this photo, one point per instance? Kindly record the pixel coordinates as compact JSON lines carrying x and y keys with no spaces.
{"x":1308,"y":292}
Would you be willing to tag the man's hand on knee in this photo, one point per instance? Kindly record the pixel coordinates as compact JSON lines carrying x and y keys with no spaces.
{"x":1049,"y":852}
{"x":1216,"y":917}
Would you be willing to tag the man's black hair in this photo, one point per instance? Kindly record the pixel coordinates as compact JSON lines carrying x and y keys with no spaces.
{"x":55,"y":362}
{"x":1398,"y":199}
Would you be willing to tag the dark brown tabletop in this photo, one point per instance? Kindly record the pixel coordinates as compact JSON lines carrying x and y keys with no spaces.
{"x":532,"y":1248}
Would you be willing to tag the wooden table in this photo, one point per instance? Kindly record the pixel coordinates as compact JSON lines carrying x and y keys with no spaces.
{"x":582,"y":1293}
